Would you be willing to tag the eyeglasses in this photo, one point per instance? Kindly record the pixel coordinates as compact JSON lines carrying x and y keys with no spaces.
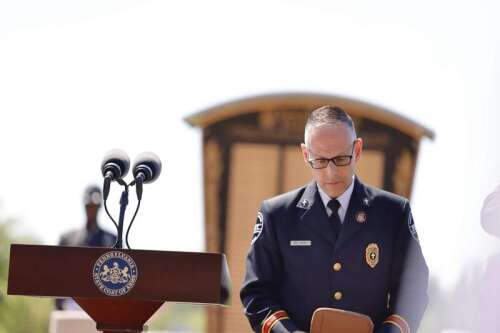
{"x":341,"y":160}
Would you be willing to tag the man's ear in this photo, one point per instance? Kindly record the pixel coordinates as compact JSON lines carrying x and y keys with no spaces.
{"x":305,"y":154}
{"x":358,"y":149}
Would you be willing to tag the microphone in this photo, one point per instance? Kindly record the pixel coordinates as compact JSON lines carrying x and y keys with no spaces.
{"x":146,"y":169}
{"x":114,"y":166}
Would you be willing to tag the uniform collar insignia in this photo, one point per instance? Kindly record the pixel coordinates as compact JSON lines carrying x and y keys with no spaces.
{"x":304,"y":204}
{"x":306,"y":201}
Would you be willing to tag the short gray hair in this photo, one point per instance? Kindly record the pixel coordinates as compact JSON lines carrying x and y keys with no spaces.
{"x":327,"y":115}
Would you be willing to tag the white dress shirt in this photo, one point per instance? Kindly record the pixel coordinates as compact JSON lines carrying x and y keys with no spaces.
{"x":343,"y":199}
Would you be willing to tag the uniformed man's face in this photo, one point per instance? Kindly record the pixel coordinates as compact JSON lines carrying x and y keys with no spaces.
{"x":91,"y":211}
{"x":327,"y":142}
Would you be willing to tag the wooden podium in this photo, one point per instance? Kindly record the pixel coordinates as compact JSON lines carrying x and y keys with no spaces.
{"x":120,"y":289}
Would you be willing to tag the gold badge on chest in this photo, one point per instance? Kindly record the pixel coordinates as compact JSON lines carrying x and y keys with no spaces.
{"x":372,"y":254}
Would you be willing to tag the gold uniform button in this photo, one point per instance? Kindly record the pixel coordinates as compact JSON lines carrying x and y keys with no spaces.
{"x":338,"y":295}
{"x":337,"y":267}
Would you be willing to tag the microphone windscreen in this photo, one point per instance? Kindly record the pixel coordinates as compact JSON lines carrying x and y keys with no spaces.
{"x":116,"y":160}
{"x":149,"y":164}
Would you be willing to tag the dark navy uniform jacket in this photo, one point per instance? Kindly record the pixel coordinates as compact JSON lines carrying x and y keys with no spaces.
{"x":84,"y":237}
{"x":297,"y":264}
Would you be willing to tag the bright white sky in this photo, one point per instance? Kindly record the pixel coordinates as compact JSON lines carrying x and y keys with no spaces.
{"x":80,"y":77}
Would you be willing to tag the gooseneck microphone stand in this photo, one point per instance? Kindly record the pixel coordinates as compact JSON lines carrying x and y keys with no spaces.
{"x":121,"y":218}
{"x":123,"y":207}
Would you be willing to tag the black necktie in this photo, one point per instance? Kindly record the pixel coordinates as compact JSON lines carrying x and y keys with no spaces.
{"x":334,"y":205}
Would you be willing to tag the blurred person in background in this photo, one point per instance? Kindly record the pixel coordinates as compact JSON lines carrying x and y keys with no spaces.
{"x":90,"y":235}
{"x":490,"y":213}
{"x":489,"y":288}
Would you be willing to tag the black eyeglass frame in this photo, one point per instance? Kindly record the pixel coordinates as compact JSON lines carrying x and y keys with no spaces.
{"x":334,"y":160}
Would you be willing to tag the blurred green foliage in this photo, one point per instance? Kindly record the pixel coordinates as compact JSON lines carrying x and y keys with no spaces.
{"x":19,"y":314}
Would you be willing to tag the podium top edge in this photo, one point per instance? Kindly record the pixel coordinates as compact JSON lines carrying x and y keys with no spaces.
{"x":89,"y":248}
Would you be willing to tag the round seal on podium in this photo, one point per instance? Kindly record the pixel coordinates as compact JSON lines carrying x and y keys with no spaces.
{"x":115,"y":273}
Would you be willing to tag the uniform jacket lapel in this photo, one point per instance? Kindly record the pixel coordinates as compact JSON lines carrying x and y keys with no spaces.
{"x":357,"y":216}
{"x":313,"y":213}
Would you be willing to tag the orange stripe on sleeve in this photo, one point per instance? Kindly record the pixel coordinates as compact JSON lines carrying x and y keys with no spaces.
{"x":273,"y":320}
{"x":399,"y":322}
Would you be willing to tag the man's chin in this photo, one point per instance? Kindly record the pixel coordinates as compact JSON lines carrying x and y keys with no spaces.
{"x":334,"y":189}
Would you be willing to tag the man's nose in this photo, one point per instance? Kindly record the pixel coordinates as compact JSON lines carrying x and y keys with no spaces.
{"x":331,"y":169}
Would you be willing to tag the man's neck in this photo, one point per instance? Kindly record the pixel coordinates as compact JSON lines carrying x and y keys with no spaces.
{"x":92,"y":225}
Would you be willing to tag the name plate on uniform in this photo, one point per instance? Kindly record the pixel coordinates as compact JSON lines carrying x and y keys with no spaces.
{"x":300,"y":243}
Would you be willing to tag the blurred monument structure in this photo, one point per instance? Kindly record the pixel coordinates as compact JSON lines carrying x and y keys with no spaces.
{"x":251,"y":152}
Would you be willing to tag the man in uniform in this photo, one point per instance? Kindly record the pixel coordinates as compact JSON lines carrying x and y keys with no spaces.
{"x":334,"y":243}
{"x":90,"y":235}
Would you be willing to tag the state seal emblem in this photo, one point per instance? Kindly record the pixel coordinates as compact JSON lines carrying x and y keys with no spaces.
{"x":115,"y":273}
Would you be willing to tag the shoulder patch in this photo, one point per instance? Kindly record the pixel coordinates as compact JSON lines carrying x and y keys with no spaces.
{"x":259,"y":225}
{"x":412,"y":228}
